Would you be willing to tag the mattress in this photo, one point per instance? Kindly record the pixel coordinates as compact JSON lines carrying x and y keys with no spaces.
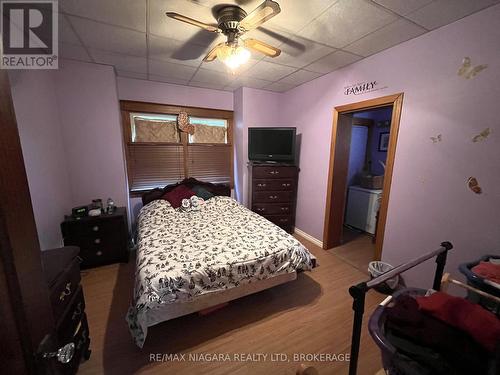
{"x":182,"y":256}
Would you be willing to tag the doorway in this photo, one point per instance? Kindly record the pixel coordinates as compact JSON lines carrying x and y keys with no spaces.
{"x":340,"y":177}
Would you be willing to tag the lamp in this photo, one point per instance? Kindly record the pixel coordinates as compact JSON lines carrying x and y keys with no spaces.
{"x":233,"y":55}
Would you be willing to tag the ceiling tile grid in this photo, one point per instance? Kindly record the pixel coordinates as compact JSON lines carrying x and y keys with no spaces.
{"x":316,"y":37}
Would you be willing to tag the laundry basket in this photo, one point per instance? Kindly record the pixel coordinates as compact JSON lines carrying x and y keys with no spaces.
{"x":378,"y":268}
{"x":478,"y":283}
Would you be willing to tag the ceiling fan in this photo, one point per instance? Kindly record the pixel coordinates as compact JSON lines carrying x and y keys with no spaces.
{"x":233,"y":22}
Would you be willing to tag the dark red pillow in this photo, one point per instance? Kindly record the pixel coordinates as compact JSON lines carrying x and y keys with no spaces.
{"x":176,"y":195}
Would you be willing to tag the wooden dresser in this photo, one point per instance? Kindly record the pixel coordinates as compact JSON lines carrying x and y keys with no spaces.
{"x":61,"y":268}
{"x":274,"y":192}
{"x":102,"y":239}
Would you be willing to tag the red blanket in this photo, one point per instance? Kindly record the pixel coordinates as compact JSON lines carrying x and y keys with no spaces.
{"x":479,"y":323}
{"x":488,"y":271}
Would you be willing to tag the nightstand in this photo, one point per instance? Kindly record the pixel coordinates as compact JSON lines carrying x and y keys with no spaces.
{"x":102,"y":239}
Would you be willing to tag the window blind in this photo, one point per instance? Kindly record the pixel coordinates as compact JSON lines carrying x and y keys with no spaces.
{"x":154,"y":165}
{"x":210,"y":163}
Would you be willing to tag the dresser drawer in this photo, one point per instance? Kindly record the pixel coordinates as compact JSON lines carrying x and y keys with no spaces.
{"x":64,"y":289}
{"x":274,"y":172}
{"x":271,"y":208}
{"x":95,"y":255}
{"x":71,"y":317}
{"x":270,"y":184}
{"x":280,"y":220}
{"x":272,"y":196}
{"x":82,"y":341}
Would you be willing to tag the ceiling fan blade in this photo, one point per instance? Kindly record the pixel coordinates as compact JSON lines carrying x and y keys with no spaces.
{"x":180,"y":17}
{"x":262,"y":47}
{"x":265,"y":11}
{"x":212,"y":55}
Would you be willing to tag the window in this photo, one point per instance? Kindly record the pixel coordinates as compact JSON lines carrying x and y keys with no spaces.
{"x":159,"y":154}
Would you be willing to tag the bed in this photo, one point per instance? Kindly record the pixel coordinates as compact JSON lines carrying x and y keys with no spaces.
{"x":190,"y":261}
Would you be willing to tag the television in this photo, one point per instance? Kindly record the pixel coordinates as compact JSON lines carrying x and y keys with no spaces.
{"x":271,"y":144}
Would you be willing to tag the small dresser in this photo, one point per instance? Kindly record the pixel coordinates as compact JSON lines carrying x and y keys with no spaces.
{"x":61,"y":268}
{"x":274,"y":192}
{"x":102,"y":239}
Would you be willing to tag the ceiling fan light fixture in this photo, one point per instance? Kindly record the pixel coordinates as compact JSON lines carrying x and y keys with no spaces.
{"x":233,"y":56}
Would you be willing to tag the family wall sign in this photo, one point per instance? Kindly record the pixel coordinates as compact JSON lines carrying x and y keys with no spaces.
{"x":362,"y":88}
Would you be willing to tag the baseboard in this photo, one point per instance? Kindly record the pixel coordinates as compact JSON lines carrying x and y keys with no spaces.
{"x":308,"y":237}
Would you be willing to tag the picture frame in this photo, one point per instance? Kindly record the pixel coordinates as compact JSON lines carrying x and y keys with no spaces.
{"x":383,"y":141}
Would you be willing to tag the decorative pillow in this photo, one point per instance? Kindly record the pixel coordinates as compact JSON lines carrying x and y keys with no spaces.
{"x":176,"y":195}
{"x":202,"y":192}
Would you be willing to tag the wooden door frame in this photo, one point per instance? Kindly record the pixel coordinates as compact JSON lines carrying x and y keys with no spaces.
{"x":335,"y":208}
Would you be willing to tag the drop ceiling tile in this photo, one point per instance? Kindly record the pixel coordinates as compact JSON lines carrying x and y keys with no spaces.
{"x":212,"y":77}
{"x":347,"y":21}
{"x":66,"y":33}
{"x":295,"y":15}
{"x":109,"y":38}
{"x":332,"y":62}
{"x":161,"y":25}
{"x":386,"y":37}
{"x":176,"y":52}
{"x":443,"y":12}
{"x":173,"y":80}
{"x":206,"y":85}
{"x":68,"y":51}
{"x":300,"y":52}
{"x":125,"y":13}
{"x":299,"y":77}
{"x":403,"y":7}
{"x":120,"y":62}
{"x":254,"y":83}
{"x":280,"y":86}
{"x":172,"y":71}
{"x":134,"y":75}
{"x":268,"y":71}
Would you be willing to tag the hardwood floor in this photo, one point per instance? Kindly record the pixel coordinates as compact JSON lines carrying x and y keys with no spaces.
{"x":358,"y":249}
{"x":310,"y":315}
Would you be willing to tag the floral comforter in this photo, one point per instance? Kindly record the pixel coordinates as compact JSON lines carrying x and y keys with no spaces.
{"x":182,"y":255}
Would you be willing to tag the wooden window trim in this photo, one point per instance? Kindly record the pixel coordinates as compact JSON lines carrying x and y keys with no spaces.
{"x":128,"y":106}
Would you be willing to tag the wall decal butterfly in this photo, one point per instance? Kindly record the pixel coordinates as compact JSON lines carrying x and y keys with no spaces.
{"x":437,"y":138}
{"x":468,"y":71}
{"x":481,"y":136}
{"x":474,"y":185}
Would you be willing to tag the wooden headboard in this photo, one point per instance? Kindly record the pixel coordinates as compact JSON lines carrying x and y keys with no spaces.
{"x":215,"y":189}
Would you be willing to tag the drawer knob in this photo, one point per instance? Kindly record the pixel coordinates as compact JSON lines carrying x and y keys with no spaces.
{"x":285,"y":185}
{"x":261,"y":185}
{"x":97,"y":240}
{"x":273,"y":197}
{"x":261,"y":209}
{"x":283,"y":220}
{"x":98,"y":253}
{"x":284,"y":208}
{"x":95,"y":228}
{"x":66,"y":292}
{"x":77,"y":312}
{"x":274,"y":172}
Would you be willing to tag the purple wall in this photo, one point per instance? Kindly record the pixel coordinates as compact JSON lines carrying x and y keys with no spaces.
{"x":91,"y":132}
{"x":429,"y":200}
{"x":35,"y":104}
{"x":165,"y":93}
{"x":381,"y":114}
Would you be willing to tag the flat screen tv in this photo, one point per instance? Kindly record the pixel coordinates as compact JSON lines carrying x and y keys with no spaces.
{"x":271,"y":144}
